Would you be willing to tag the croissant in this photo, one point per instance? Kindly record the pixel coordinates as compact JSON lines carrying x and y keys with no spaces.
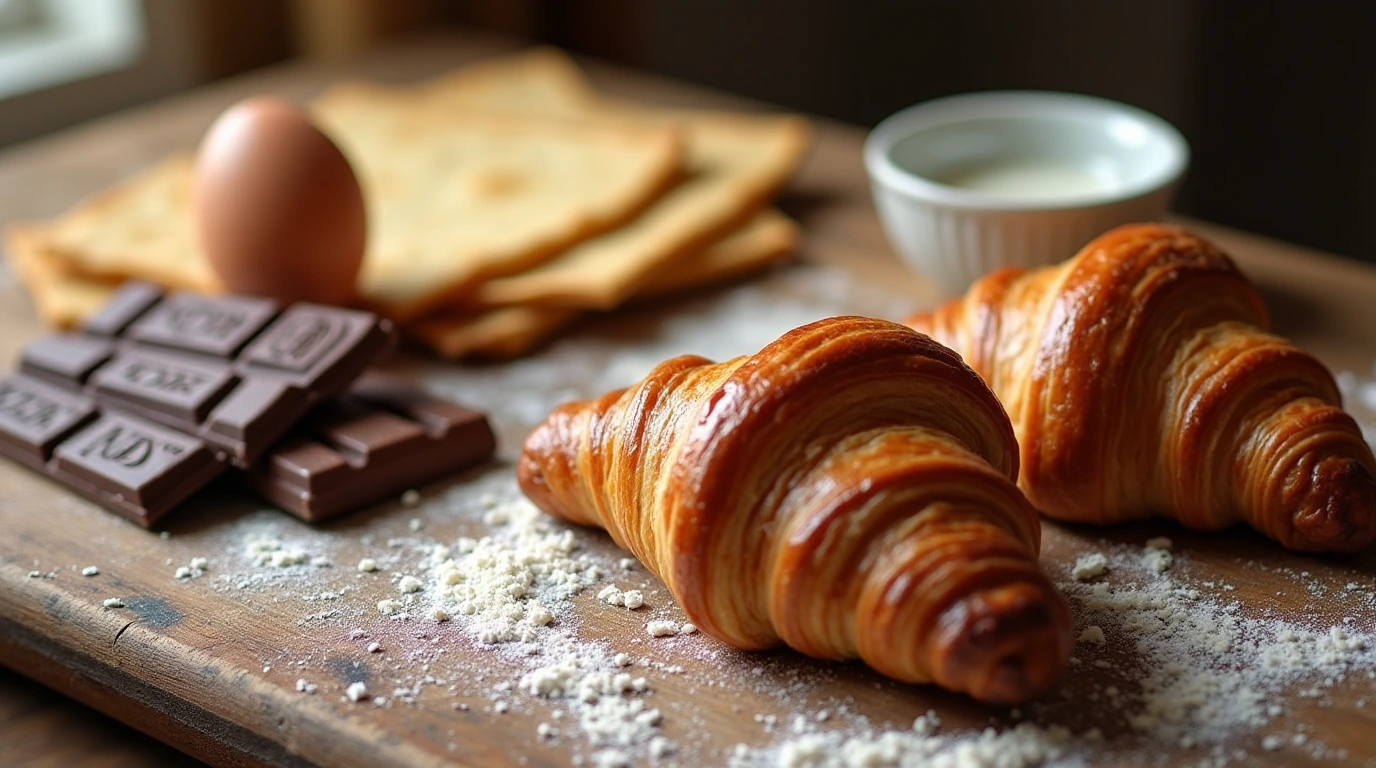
{"x":1141,"y":379}
{"x":849,"y":491}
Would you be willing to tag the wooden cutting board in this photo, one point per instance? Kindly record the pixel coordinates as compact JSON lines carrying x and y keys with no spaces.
{"x":211,"y":664}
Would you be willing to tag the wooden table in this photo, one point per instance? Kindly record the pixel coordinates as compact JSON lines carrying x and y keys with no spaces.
{"x":211,"y":667}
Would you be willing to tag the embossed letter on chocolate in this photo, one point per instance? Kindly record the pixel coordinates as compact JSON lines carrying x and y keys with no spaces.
{"x":122,"y":462}
{"x":233,"y":370}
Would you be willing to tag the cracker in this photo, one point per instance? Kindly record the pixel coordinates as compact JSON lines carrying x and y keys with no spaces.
{"x":543,"y":80}
{"x":62,"y":300}
{"x":501,"y":333}
{"x":506,"y":332}
{"x":767,"y":238}
{"x":138,"y":228}
{"x":454,"y":199}
{"x":451,"y":199}
{"x":735,"y":164}
{"x":65,"y":301}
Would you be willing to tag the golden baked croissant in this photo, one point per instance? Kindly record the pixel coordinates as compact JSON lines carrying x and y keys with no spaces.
{"x":1141,"y":380}
{"x":849,"y":491}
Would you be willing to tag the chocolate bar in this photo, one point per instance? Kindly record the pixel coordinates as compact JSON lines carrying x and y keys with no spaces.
{"x":235,"y":371}
{"x":122,"y":462}
{"x":380,"y":439}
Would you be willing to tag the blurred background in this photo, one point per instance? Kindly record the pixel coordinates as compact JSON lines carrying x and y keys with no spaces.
{"x":1277,"y":99}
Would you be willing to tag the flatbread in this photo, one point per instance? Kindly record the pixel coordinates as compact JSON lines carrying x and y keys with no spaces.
{"x":766,"y":239}
{"x":139,"y":228}
{"x":65,"y":300}
{"x":735,"y":163}
{"x":505,"y":332}
{"x":542,"y":80}
{"x":501,"y":333}
{"x":457,"y":198}
{"x":61,"y":300}
{"x":451,"y":199}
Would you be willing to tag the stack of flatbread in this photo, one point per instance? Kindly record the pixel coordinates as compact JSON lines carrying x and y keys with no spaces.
{"x":504,"y":200}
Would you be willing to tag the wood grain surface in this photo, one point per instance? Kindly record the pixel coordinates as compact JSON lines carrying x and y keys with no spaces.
{"x":210,"y":665}
{"x":44,"y":729}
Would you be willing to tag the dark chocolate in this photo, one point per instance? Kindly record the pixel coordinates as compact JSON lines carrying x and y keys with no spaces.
{"x":381,"y":438}
{"x":235,"y":371}
{"x":122,"y":462}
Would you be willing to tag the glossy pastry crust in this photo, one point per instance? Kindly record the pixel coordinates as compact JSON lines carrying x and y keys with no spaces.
{"x":849,"y":491}
{"x":1141,"y":379}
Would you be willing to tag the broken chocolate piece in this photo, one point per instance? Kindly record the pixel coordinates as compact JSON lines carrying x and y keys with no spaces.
{"x":380,"y":439}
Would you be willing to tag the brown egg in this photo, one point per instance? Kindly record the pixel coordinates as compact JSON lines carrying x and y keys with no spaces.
{"x":277,"y":208}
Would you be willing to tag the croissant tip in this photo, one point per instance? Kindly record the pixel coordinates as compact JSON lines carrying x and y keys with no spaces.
{"x":1339,"y":514}
{"x":1008,"y":645}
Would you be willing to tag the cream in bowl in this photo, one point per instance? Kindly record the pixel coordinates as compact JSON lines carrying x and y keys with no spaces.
{"x":1026,"y":178}
{"x":970,"y":183}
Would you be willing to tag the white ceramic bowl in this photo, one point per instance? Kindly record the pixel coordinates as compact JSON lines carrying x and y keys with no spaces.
{"x":970,"y":183}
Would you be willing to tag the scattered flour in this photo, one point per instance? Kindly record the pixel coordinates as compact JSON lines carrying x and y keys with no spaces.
{"x":1178,"y":664}
{"x":1023,"y":746}
{"x":1186,"y":670}
{"x":611,"y":710}
{"x":500,"y":580}
{"x":273,"y":552}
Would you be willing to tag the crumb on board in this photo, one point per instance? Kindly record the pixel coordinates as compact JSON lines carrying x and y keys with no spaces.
{"x":662,"y":628}
{"x":1090,"y":566}
{"x":1092,"y":634}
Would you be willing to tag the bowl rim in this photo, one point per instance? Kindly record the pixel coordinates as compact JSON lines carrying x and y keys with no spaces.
{"x":1014,"y":104}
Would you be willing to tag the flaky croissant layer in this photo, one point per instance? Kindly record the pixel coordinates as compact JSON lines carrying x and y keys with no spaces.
{"x":848,"y":491}
{"x":1141,"y":380}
